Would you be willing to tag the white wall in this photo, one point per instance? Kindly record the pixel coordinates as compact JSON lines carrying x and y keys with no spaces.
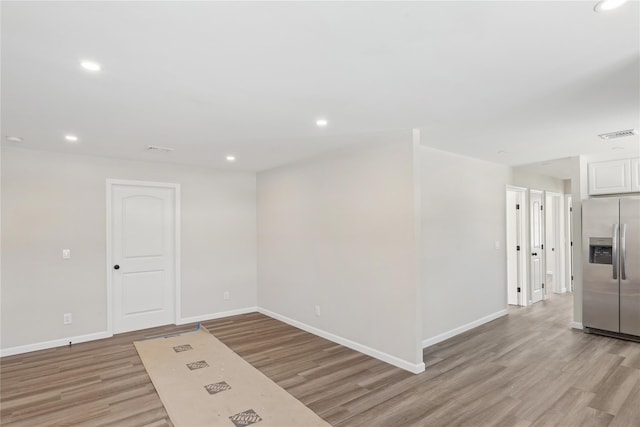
{"x":579,"y":192}
{"x":54,"y":201}
{"x":463,"y":216}
{"x":339,"y":232}
{"x":521,"y":177}
{"x":395,"y":242}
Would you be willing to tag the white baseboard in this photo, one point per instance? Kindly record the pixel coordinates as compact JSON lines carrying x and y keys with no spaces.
{"x":456,"y":331}
{"x":211,"y":316}
{"x":100,"y":335}
{"x":53,"y":343}
{"x":577,"y":325}
{"x":415,"y":368}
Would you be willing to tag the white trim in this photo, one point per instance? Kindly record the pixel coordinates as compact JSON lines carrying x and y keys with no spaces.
{"x":177,"y":253}
{"x":211,"y":316}
{"x":142,"y":183}
{"x":177,"y":244}
{"x":107,"y":334}
{"x":109,"y":262}
{"x":577,"y":325}
{"x":453,"y":332}
{"x":418,"y":240}
{"x":53,"y":343}
{"x":415,"y":368}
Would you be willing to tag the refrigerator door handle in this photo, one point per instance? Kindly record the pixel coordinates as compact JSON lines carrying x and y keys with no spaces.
{"x":615,"y":251}
{"x":623,"y":252}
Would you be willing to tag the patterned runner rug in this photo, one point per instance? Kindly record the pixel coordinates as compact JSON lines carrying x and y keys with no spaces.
{"x":202,"y":382}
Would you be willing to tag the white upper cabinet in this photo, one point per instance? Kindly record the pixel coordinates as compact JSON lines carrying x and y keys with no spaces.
{"x":610,"y":177}
{"x":635,"y":175}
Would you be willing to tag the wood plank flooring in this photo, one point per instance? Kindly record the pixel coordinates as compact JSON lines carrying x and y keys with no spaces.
{"x":526,"y":369}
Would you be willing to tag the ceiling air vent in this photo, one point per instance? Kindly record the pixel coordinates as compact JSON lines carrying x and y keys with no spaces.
{"x":159,"y":149}
{"x":618,"y":134}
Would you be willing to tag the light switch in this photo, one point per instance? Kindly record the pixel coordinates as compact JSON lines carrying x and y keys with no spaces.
{"x":66,"y":253}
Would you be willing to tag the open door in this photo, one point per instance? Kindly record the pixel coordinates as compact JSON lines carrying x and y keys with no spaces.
{"x":568,"y":243}
{"x":554,"y":253}
{"x":536,"y":240}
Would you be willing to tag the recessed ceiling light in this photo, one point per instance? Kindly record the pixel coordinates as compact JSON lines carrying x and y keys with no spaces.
{"x":159,"y":149}
{"x":90,"y":65}
{"x":322,"y":122}
{"x":230,"y":158}
{"x":71,"y":138}
{"x":14,"y":139}
{"x":605,"y":5}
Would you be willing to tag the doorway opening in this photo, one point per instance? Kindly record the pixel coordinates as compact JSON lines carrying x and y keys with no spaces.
{"x":550,"y":184}
{"x":538,"y":244}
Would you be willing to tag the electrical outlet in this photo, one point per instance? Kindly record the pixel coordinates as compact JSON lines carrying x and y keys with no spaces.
{"x":226,"y":295}
{"x":317,"y":310}
{"x":67,"y":319}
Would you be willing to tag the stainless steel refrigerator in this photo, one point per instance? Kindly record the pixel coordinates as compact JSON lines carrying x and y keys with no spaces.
{"x":611,"y":266}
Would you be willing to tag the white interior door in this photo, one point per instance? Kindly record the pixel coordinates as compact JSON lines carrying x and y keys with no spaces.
{"x":569,"y":244}
{"x":515,"y":247}
{"x":143,"y":256}
{"x":536,"y":240}
{"x":550,"y":229}
{"x":554,"y":280}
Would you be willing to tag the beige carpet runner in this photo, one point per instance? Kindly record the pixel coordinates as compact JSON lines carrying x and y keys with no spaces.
{"x":202,"y":382}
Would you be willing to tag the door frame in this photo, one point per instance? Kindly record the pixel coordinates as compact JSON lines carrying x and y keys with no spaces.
{"x":521,"y":236}
{"x":133,"y":183}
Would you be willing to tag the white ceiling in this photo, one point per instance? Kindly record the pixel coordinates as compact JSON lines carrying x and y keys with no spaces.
{"x":538,"y":80}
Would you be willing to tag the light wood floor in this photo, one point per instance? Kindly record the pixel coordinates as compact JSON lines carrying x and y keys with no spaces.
{"x":526,"y":369}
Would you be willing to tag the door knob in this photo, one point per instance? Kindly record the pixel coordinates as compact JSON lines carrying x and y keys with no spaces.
{"x":116,"y":267}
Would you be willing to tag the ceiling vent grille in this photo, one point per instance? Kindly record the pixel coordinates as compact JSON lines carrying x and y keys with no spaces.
{"x":618,"y":134}
{"x":159,"y":149}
